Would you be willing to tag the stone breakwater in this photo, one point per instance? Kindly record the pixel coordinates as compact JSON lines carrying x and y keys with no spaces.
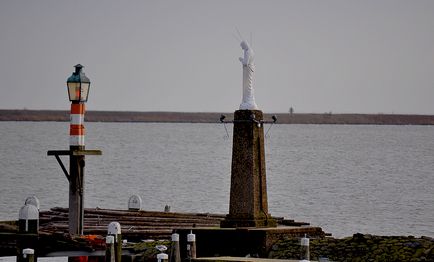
{"x":360,"y":247}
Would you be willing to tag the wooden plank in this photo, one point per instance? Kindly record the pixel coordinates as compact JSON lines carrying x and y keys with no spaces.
{"x":74,"y":152}
{"x":59,"y":152}
{"x":86,"y":152}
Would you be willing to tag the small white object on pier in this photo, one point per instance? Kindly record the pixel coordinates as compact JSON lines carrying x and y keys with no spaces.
{"x":114,"y":228}
{"x":28,"y":251}
{"x":162,"y":257}
{"x":29,"y":213}
{"x":32,"y":200}
{"x":135,"y":203}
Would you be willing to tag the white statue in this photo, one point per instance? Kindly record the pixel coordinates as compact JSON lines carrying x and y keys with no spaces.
{"x":248,"y":68}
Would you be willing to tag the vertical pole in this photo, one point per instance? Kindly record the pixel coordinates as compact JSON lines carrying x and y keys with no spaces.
{"x":304,"y":246}
{"x":118,"y":248}
{"x":28,"y":228}
{"x":114,"y":229}
{"x":191,"y":245}
{"x":110,"y":249}
{"x":76,"y":166}
{"x":175,"y":252}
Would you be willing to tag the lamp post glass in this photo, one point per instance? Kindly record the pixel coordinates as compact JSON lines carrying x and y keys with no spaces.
{"x":78,"y":85}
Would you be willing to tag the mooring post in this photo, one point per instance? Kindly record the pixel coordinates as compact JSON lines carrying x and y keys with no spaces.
{"x":304,"y":248}
{"x":28,"y":227}
{"x":29,"y":255}
{"x":162,"y":257}
{"x":110,"y":249}
{"x":114,"y":229}
{"x":28,"y":222}
{"x":191,"y":245}
{"x":32,"y":200}
{"x":134,"y":203}
{"x":175,"y":252}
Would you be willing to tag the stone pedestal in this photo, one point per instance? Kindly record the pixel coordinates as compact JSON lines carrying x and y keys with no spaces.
{"x":239,"y":242}
{"x":248,"y":198}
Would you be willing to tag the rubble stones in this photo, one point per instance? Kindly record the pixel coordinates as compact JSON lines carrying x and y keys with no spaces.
{"x":360,"y":248}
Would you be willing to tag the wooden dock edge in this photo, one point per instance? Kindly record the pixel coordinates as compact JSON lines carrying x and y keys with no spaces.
{"x":241,"y":259}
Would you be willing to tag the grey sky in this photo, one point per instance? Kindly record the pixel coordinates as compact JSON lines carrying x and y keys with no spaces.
{"x":316,"y":56}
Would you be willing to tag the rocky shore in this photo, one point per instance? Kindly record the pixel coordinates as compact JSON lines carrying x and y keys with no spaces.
{"x":360,"y":247}
{"x":187,"y":117}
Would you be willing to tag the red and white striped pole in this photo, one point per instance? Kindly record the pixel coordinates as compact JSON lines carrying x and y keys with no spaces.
{"x":76,"y":130}
{"x":76,"y":167}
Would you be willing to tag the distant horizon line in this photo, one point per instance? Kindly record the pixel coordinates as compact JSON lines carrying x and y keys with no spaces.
{"x":214,"y":112}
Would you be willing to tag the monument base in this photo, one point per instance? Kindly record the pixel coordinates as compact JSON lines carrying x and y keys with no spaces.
{"x":248,"y":204}
{"x":211,"y":242}
{"x":237,"y":222}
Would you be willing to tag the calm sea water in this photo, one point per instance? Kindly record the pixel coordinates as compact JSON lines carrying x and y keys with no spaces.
{"x":346,"y":179}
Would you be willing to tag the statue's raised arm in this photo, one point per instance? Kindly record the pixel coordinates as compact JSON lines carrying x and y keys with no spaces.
{"x":248,"y":102}
{"x":248,"y":53}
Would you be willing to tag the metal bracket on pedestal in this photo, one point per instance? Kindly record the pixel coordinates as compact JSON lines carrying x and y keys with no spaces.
{"x":252,"y":119}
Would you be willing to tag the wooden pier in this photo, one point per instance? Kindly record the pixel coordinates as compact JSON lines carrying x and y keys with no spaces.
{"x":137,"y":227}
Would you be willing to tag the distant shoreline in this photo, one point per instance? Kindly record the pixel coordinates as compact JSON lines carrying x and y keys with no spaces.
{"x":186,"y":117}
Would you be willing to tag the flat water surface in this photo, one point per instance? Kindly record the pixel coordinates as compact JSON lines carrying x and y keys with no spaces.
{"x":346,"y":179}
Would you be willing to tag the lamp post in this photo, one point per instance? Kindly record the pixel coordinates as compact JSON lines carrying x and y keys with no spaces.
{"x":78,"y":90}
{"x":78,"y":86}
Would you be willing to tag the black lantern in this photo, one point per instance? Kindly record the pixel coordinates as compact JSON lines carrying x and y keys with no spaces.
{"x":78,"y":85}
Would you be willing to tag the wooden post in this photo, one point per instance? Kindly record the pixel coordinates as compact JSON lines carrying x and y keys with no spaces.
{"x":29,"y":255}
{"x":114,"y":229}
{"x":304,"y":248}
{"x":191,"y":245}
{"x":110,"y":249}
{"x":76,"y":192}
{"x":75,"y":178}
{"x":28,"y":227}
{"x":28,"y":222}
{"x":76,"y":183}
{"x":175,"y":252}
